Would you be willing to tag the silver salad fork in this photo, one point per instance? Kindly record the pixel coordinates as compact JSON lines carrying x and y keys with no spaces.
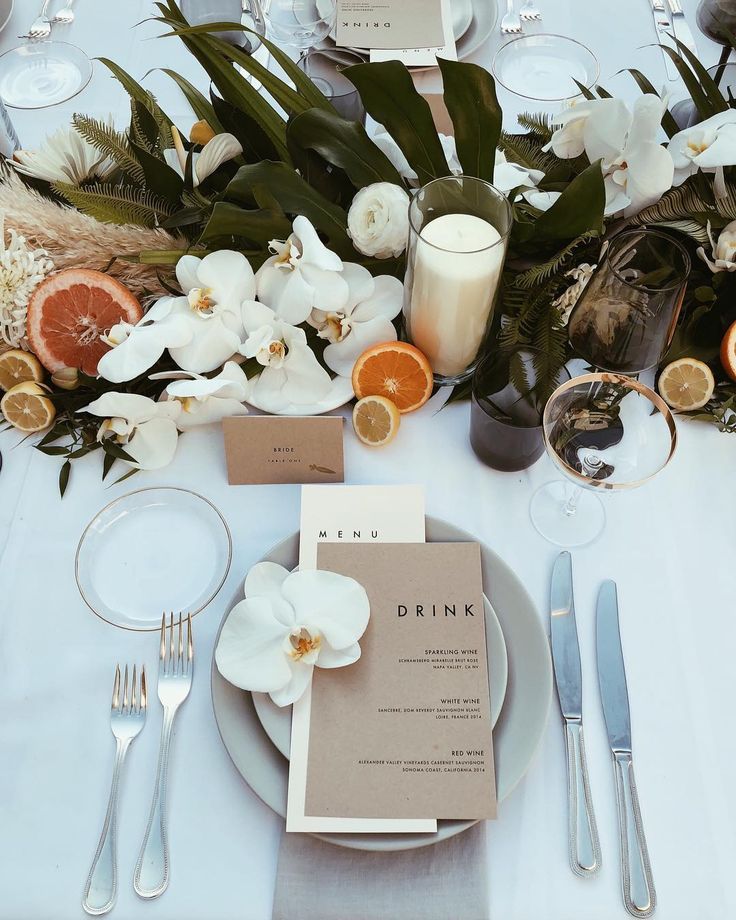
{"x":127,"y":718}
{"x":41,"y":26}
{"x":65,"y":16}
{"x":175,"y":665}
{"x":529,"y":12}
{"x":510,"y":23}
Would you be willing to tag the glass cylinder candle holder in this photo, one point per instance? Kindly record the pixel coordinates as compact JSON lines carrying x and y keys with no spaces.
{"x":459,"y":231}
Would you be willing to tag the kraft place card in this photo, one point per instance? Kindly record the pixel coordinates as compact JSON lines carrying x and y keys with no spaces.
{"x":265,"y":449}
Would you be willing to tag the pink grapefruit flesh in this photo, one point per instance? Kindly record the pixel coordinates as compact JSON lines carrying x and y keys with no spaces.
{"x":68,"y":313}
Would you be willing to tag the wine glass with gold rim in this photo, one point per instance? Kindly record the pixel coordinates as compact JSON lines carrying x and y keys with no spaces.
{"x":604,"y":432}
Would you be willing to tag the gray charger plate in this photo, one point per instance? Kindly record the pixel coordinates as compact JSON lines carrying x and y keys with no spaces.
{"x":276,"y":720}
{"x":516,"y":736}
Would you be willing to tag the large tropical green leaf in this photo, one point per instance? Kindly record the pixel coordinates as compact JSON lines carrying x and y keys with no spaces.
{"x":470,"y":98}
{"x":578,"y":210}
{"x":200,"y":105}
{"x":390,"y":97}
{"x":136,"y":91}
{"x":160,"y":177}
{"x":256,"y":143}
{"x":293,"y":196}
{"x":258,"y":226}
{"x":344,"y":144}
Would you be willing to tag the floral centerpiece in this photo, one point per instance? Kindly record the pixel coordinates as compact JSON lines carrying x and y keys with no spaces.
{"x":265,"y":253}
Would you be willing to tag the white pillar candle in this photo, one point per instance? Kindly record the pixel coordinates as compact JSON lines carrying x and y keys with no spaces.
{"x":456,"y":272}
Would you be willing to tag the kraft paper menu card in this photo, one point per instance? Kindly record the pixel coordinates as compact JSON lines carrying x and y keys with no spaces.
{"x":406,"y":730}
{"x":415,"y":55}
{"x":348,"y":515}
{"x":389,"y":23}
{"x":268,"y":449}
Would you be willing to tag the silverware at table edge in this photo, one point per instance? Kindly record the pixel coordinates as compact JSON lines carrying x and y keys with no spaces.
{"x":510,"y":22}
{"x":175,"y":666}
{"x":529,"y":12}
{"x":663,"y":26}
{"x":41,"y":25}
{"x":640,"y":898}
{"x":681,"y":27}
{"x":64,"y":16}
{"x":583,"y":840}
{"x":127,"y":718}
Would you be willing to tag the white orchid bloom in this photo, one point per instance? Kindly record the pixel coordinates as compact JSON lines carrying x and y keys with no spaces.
{"x":145,"y":429}
{"x":65,"y":156}
{"x":363,"y":321}
{"x":289,"y":624}
{"x":291,"y":373}
{"x":387,"y":145}
{"x":568,"y":140}
{"x":723,"y":251}
{"x":707,"y":146}
{"x":301,"y":274}
{"x":378,"y":220}
{"x":509,"y":176}
{"x":218,"y":150}
{"x":207,"y":399}
{"x":542,"y":201}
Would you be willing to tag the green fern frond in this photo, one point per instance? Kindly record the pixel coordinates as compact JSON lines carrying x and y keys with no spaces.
{"x":539,"y":273}
{"x":112,"y":143}
{"x":527,"y":152}
{"x":116,"y":204}
{"x":550,"y":340}
{"x":536,"y":123}
{"x":137,"y":134}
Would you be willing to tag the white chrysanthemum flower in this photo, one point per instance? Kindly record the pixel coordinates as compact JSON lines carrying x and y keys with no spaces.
{"x":65,"y":156}
{"x":21,"y":270}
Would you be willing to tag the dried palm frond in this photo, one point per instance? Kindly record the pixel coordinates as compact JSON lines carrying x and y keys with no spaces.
{"x":76,"y":240}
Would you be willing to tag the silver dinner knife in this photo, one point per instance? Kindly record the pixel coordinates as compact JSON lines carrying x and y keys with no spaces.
{"x":640,"y":897}
{"x":585,"y":850}
{"x":663,"y":25}
{"x":682,"y":29}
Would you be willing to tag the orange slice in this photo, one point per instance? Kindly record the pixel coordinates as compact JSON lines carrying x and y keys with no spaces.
{"x":70,"y":311}
{"x":18,"y":366}
{"x":728,"y":351}
{"x":27,"y":407}
{"x":376,"y":420}
{"x":686,"y":384}
{"x":396,"y":370}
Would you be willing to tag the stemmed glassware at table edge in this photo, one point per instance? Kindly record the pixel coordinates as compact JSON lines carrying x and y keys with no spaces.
{"x":604,"y":432}
{"x":43,"y":71}
{"x":247,"y":12}
{"x":300,"y":24}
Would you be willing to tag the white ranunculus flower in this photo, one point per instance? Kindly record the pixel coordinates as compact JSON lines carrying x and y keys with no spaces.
{"x":378,"y":220}
{"x":723,"y":251}
{"x":363,"y":321}
{"x":207,"y":399}
{"x":145,"y":429}
{"x":218,"y":150}
{"x":291,"y":373}
{"x":509,"y":176}
{"x":707,"y":146}
{"x":302,"y":274}
{"x":289,"y":624}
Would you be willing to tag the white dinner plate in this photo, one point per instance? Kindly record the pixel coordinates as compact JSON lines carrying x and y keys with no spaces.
{"x":276,"y":720}
{"x":6,"y":11}
{"x":340,"y":393}
{"x":516,"y":736}
{"x":152,"y":551}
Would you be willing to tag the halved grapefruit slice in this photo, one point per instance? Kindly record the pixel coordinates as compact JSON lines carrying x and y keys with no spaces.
{"x":68,"y":313}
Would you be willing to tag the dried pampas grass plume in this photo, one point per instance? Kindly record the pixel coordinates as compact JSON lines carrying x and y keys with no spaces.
{"x":75,"y":240}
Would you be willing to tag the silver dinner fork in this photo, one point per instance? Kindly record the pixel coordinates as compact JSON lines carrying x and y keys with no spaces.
{"x":64,"y":16}
{"x":41,"y":25}
{"x":529,"y":12}
{"x":510,"y":22}
{"x":175,"y":665}
{"x":127,"y":718}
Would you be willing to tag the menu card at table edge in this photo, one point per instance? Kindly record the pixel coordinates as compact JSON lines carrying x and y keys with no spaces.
{"x":351,"y":514}
{"x":423,"y":57}
{"x":389,"y":23}
{"x":406,"y":730}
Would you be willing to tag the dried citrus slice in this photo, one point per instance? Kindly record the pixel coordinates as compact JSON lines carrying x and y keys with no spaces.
{"x":17,"y":366}
{"x":728,"y":351}
{"x":686,"y":384}
{"x":376,"y":420}
{"x":27,"y":407}
{"x":70,"y":311}
{"x":396,"y":370}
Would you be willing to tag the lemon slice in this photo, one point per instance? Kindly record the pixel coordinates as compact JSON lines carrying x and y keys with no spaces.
{"x":27,"y":407}
{"x":686,"y":384}
{"x":376,"y":420}
{"x":17,"y":366}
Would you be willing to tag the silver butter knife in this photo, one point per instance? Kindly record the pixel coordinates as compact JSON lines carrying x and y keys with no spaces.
{"x":682,"y":29}
{"x":585,"y":851}
{"x":640,"y":898}
{"x":663,"y":25}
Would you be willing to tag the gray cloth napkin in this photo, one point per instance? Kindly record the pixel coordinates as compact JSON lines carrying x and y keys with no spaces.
{"x":446,"y":881}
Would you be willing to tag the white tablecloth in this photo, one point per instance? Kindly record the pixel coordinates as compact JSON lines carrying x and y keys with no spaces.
{"x":670,"y":546}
